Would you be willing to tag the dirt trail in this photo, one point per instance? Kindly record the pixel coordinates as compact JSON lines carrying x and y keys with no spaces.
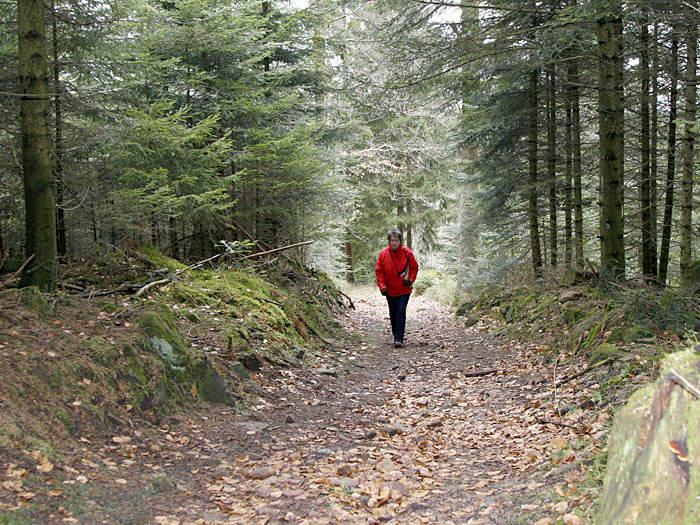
{"x":399,"y":435}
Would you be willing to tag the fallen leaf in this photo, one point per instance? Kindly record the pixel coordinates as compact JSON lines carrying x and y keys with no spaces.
{"x":572,"y":519}
{"x":121,"y":439}
{"x":558,"y":443}
{"x":12,"y":485}
{"x":561,"y":507}
{"x":385,"y":466}
{"x":45,"y":467}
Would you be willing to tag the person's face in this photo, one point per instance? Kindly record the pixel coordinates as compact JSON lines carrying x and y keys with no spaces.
{"x":394,"y":242}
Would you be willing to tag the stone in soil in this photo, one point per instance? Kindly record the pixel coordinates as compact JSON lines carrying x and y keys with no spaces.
{"x":389,"y":430}
{"x":345,"y":482}
{"x":344,"y":470}
{"x":395,"y":486}
{"x":261,"y":473}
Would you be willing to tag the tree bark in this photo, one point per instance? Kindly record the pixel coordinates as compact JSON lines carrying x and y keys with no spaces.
{"x":349,"y":259}
{"x":611,"y":121}
{"x":576,"y":163}
{"x":532,"y":172}
{"x":39,"y":199}
{"x":671,"y":163}
{"x":58,"y":141}
{"x":686,"y":261}
{"x":568,"y":172}
{"x":644,"y":173}
{"x":653,"y":152}
{"x":552,"y":164}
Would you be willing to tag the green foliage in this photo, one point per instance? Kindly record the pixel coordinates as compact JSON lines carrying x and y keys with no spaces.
{"x":426,"y":279}
{"x":171,"y":169}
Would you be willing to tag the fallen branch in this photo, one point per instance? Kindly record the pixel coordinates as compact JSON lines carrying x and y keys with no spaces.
{"x":124,"y":287}
{"x":684,"y":383}
{"x":150,"y":285}
{"x":244,"y":232}
{"x":479,"y":373}
{"x":277,"y":249}
{"x":270,"y":301}
{"x":579,"y":374}
{"x":550,"y":422}
{"x":352,"y":305}
{"x":16,"y":274}
{"x":195,"y":265}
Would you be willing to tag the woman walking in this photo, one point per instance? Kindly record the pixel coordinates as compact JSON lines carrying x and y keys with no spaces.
{"x":396,"y":271}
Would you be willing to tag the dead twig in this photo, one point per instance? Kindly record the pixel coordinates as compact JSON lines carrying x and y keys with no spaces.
{"x":277,"y":249}
{"x":479,"y":373}
{"x":16,"y":274}
{"x":352,"y":305}
{"x":150,"y":285}
{"x":683,"y":382}
{"x":582,"y":372}
{"x":270,"y":301}
{"x":550,"y":422}
{"x":195,"y":265}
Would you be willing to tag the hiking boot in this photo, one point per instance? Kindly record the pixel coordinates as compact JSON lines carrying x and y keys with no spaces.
{"x":398,"y":343}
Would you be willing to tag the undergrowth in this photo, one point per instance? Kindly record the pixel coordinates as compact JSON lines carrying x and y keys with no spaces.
{"x":629,"y":326}
{"x":80,"y":361}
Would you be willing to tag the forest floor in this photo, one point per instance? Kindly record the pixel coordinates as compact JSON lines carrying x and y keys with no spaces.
{"x":407,"y":435}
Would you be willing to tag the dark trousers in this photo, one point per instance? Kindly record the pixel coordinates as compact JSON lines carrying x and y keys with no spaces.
{"x":397,"y":313}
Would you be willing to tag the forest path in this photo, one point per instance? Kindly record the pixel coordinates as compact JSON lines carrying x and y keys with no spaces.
{"x":399,"y":435}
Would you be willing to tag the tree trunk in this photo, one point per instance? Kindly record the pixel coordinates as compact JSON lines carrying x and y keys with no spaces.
{"x":532,"y":172}
{"x":3,"y":255}
{"x":671,"y":163}
{"x":409,"y":228}
{"x":653,"y":152}
{"x":568,"y":171}
{"x":39,"y":199}
{"x":174,"y":250}
{"x":644,"y":169}
{"x":611,"y":121}
{"x":552,"y":164}
{"x":468,"y":233}
{"x":58,"y":142}
{"x":576,"y":163}
{"x":349,"y":259}
{"x":688,"y":157}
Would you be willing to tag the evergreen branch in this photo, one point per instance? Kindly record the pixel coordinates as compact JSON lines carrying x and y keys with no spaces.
{"x":490,"y":7}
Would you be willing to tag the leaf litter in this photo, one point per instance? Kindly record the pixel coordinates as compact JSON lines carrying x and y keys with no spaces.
{"x":406,"y":435}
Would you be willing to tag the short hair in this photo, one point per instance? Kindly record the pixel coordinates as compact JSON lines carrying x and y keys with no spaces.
{"x":394,"y":232}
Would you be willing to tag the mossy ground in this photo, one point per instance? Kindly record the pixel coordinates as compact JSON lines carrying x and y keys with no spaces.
{"x":577,"y":326}
{"x":636,"y":325}
{"x":79,"y":366}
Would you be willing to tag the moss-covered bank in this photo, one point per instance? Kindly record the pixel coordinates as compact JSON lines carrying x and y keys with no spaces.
{"x":77,"y":366}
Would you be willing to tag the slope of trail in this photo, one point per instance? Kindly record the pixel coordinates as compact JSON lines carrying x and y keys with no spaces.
{"x":401,"y":435}
{"x":375,"y":434}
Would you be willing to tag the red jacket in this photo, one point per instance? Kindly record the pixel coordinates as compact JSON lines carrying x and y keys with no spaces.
{"x":390,"y":264}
